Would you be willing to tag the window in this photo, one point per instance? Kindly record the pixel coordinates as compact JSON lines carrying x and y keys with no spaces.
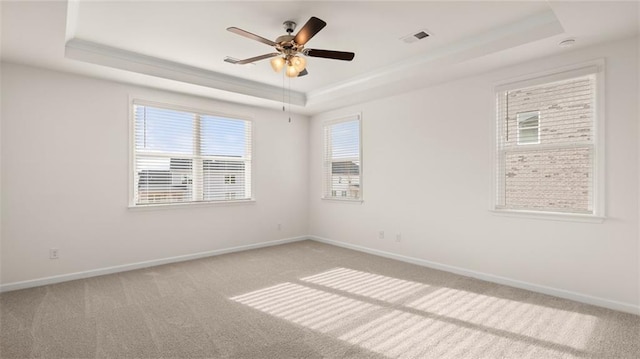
{"x":528,"y":127}
{"x":547,"y":144}
{"x":186,"y":156}
{"x":342,"y":159}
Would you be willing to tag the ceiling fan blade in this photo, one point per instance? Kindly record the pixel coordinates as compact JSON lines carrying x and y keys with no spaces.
{"x":303,"y":73}
{"x":312,"y":27}
{"x":253,"y":59}
{"x":330,"y":54}
{"x":251,"y":36}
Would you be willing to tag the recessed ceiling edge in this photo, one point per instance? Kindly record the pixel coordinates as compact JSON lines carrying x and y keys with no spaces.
{"x":104,"y":55}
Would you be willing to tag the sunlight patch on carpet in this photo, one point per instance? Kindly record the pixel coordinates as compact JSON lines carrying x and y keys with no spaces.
{"x":366,"y":284}
{"x":306,"y":306}
{"x":536,"y":321}
{"x":400,"y":318}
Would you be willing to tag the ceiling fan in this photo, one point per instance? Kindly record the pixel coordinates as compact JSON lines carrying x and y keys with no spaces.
{"x":289,"y":48}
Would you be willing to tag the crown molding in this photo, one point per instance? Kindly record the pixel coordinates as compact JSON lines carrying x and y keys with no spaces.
{"x":100,"y":54}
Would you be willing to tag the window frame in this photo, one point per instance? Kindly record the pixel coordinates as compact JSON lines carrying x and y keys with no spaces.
{"x":325,"y":169}
{"x":595,"y":68}
{"x":141,"y":101}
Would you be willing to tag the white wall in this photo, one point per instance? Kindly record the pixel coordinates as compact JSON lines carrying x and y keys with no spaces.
{"x":638,"y":109}
{"x":427,"y":163}
{"x":65,"y":162}
{"x":0,"y":156}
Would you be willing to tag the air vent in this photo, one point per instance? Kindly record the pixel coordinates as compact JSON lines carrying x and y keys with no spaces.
{"x":415,"y":36}
{"x":421,"y":35}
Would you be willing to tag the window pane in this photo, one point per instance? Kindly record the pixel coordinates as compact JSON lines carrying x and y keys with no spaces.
{"x":223,"y":137}
{"x":162,"y":180}
{"x":562,"y":111}
{"x":342,"y":156}
{"x":345,"y":139}
{"x":553,"y":179}
{"x":162,"y":130}
{"x":224,"y":180}
{"x":529,"y":135}
{"x":528,"y":127}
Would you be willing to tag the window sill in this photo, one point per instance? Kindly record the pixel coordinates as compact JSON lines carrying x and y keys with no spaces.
{"x":550,"y":216}
{"x":353,"y":201}
{"x":161,"y":206}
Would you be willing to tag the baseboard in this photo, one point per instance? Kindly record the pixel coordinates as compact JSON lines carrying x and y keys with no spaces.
{"x":578,"y":297}
{"x":127,"y":267}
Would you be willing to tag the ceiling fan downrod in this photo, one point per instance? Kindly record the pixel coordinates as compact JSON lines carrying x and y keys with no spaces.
{"x":289,"y":26}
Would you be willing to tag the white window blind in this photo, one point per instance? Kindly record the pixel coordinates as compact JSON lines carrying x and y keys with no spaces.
{"x":185,"y":156}
{"x":546,"y":146}
{"x":342,"y":159}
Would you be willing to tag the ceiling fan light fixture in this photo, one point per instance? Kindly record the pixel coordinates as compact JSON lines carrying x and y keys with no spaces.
{"x":277,"y":64}
{"x":291,"y":71}
{"x":299,"y":63}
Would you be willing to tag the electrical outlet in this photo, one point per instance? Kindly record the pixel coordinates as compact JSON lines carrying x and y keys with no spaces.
{"x":53,"y":253}
{"x":381,"y":235}
{"x":398,"y":237}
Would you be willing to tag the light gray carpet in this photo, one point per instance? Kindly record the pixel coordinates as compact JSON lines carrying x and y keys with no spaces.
{"x":304,"y":300}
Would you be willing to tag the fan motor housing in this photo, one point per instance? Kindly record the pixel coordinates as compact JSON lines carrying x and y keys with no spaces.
{"x":284,"y":39}
{"x":286,"y":45}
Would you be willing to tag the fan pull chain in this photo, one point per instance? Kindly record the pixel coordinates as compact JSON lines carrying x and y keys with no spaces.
{"x":289,"y":99}
{"x":282,"y":91}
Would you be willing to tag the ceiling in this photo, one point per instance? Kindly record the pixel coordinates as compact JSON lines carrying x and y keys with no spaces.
{"x":180,"y":46}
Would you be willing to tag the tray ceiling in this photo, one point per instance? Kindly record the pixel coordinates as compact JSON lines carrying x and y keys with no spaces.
{"x":181,"y":45}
